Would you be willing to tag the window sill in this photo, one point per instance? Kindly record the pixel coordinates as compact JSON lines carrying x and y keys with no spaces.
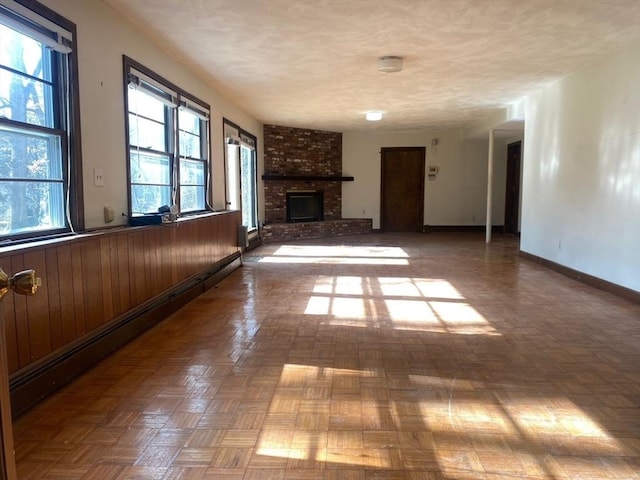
{"x":26,"y":245}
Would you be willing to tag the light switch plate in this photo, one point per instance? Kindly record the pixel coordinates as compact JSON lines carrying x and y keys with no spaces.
{"x":98,"y":177}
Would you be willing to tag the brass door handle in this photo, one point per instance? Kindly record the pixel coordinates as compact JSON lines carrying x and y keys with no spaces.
{"x":24,"y":283}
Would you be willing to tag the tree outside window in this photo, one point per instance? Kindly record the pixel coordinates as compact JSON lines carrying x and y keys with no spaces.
{"x":32,"y":142}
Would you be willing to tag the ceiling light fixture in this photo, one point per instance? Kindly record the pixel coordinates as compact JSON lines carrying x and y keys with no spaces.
{"x":373,"y":115}
{"x":389,"y":64}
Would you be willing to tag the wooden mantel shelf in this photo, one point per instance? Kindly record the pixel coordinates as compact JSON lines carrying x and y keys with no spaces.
{"x":309,"y":178}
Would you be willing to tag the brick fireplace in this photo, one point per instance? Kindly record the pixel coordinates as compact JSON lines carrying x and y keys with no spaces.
{"x":310,"y":161}
{"x":305,"y":206}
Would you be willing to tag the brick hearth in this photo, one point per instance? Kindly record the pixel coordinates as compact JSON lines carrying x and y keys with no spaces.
{"x":281,"y":232}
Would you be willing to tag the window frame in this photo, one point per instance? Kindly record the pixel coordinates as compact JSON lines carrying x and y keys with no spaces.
{"x":236,"y":135}
{"x":53,"y":30}
{"x":175,"y":99}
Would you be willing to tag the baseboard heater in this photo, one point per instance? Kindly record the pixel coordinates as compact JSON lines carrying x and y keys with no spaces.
{"x":29,"y":386}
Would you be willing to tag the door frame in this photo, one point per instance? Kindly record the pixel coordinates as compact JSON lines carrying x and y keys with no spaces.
{"x":7,"y":454}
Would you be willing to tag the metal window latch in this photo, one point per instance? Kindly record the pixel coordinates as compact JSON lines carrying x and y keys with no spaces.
{"x":24,"y":283}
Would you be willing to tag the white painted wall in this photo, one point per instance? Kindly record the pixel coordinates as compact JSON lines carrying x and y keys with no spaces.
{"x":581,"y":192}
{"x":458,"y":196}
{"x":103,"y":37}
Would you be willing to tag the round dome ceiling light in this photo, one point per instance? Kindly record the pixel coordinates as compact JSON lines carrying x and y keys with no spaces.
{"x":373,"y":115}
{"x":389,"y":64}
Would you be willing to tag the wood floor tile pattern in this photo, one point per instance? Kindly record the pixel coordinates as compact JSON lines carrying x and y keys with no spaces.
{"x":376,"y":357}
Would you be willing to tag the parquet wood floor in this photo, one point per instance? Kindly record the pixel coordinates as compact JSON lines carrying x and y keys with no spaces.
{"x":381,"y":356}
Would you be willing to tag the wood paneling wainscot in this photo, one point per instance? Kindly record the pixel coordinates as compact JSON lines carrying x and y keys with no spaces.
{"x":96,"y":286}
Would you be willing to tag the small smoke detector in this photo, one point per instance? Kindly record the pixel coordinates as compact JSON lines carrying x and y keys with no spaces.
{"x":389,"y":64}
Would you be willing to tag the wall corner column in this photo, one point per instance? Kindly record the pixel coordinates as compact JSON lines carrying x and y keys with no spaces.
{"x":489,"y":186}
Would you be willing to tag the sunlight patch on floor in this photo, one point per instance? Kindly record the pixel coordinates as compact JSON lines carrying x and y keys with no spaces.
{"x":437,"y":288}
{"x":411,"y":312}
{"x":351,"y":300}
{"x":505,"y":428}
{"x":339,"y":255}
{"x":462,"y":318}
{"x":340,"y":251}
{"x":418,"y":287}
{"x":340,"y":285}
{"x":348,"y":308}
{"x":506,"y":433}
{"x":337,"y":260}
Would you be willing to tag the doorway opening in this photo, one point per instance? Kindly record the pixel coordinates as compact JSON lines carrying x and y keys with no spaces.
{"x":512,"y":200}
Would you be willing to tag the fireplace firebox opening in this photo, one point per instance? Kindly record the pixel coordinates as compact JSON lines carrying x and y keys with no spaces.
{"x":305,"y":206}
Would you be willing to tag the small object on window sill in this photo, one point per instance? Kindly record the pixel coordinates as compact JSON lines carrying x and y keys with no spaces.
{"x":147,"y":219}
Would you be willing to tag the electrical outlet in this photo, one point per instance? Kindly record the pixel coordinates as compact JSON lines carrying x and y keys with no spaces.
{"x":108,"y":214}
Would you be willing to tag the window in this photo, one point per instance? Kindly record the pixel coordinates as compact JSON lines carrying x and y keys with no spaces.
{"x":242,"y":174}
{"x":168,"y":148}
{"x":38,"y":116}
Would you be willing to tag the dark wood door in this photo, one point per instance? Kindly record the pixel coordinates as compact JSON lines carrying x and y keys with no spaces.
{"x":402,"y":189}
{"x":512,"y":200}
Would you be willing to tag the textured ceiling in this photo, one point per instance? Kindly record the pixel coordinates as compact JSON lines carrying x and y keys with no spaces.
{"x":312,"y":63}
